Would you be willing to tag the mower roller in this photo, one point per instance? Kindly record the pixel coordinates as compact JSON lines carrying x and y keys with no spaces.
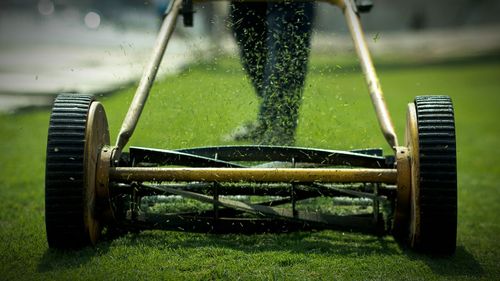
{"x":92,"y":186}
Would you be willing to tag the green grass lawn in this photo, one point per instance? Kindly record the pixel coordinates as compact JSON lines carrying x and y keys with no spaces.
{"x":206,"y":102}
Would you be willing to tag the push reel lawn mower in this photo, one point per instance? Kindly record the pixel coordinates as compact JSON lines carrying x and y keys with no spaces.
{"x":92,"y":185}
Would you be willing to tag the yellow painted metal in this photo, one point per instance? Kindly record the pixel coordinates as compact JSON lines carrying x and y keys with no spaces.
{"x":103,"y":195}
{"x":148,"y":77}
{"x":388,"y":176}
{"x":96,"y":136}
{"x":402,"y":210}
{"x":339,"y":3}
{"x":412,"y":141}
{"x":376,"y":94}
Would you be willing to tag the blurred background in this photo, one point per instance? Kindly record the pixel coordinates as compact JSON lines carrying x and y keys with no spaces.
{"x":97,"y":47}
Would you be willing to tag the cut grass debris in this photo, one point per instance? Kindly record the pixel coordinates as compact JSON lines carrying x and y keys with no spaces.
{"x":206,"y":102}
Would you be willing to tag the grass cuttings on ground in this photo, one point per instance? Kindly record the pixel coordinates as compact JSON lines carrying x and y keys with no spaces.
{"x":206,"y":102}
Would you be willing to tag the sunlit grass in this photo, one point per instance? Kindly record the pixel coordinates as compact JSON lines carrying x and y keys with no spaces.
{"x":207,"y":101}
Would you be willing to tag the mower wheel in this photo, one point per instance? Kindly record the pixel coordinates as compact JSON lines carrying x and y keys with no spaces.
{"x":433,"y":204}
{"x":78,"y":130}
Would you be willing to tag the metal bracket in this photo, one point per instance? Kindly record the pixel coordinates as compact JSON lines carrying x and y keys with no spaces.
{"x":364,"y":6}
{"x":187,"y":12}
{"x":376,"y":94}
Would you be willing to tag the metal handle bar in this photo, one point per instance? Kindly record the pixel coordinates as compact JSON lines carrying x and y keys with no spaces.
{"x":167,"y":28}
{"x":148,"y":77}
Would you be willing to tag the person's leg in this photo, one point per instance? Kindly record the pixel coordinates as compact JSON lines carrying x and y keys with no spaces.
{"x":249,"y":26}
{"x":288,"y":43}
{"x":248,"y":22}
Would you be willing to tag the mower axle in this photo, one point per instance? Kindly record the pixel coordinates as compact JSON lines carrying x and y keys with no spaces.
{"x":128,"y":174}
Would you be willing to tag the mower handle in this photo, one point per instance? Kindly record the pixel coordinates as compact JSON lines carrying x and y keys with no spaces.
{"x":350,"y":11}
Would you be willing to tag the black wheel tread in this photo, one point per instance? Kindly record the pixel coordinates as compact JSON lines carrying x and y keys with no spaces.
{"x":64,"y":179}
{"x":438,"y":175}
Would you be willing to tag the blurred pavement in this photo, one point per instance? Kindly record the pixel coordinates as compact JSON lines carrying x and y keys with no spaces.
{"x":43,"y":56}
{"x":424,"y":45}
{"x":40,"y":58}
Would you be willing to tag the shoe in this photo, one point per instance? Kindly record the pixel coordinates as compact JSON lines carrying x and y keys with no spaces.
{"x":255,"y":132}
{"x":249,"y":131}
{"x":276,"y":139}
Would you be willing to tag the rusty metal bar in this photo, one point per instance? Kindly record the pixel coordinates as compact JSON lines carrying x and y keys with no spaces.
{"x":148,"y":77}
{"x":128,"y":174}
{"x":376,"y":94}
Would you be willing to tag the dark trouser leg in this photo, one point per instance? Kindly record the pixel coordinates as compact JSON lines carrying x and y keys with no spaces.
{"x":288,"y":43}
{"x":249,"y":25}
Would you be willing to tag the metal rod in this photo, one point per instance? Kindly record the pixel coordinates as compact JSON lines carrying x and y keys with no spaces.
{"x":304,"y":190}
{"x":129,"y":174}
{"x":148,"y":77}
{"x":376,"y":94}
{"x":351,"y":192}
